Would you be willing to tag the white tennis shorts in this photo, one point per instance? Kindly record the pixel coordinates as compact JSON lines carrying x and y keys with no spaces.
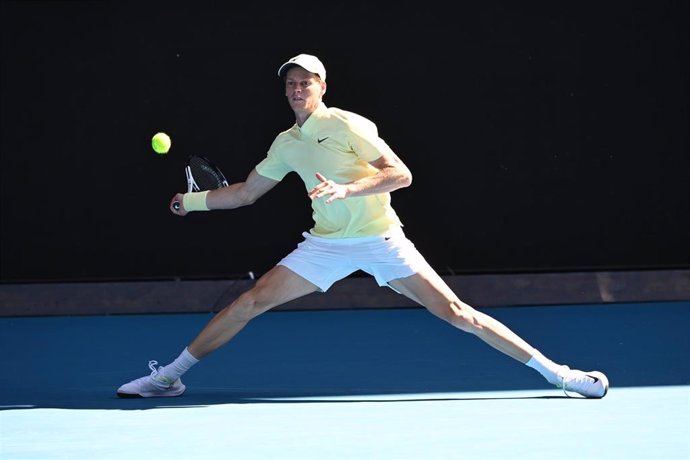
{"x":323,"y":261}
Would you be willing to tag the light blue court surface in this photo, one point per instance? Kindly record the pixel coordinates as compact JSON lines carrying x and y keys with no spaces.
{"x":365,"y":384}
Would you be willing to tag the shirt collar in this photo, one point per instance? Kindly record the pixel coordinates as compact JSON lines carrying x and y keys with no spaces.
{"x":311,"y":125}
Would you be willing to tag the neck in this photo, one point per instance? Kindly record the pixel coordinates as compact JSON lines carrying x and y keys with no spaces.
{"x":301,"y":117}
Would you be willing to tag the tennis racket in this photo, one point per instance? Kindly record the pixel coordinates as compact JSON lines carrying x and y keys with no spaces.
{"x":202,"y":175}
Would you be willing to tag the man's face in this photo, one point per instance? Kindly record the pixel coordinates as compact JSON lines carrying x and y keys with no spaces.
{"x":303,"y":90}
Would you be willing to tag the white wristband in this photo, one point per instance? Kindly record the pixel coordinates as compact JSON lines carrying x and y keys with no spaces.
{"x":195,"y":201}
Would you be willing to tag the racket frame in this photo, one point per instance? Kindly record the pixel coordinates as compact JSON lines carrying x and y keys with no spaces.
{"x":192,"y":186}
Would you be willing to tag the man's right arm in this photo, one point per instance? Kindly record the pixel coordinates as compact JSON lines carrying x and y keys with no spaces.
{"x":235,"y":195}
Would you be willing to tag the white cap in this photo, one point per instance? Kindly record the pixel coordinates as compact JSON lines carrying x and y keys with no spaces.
{"x":307,"y":62}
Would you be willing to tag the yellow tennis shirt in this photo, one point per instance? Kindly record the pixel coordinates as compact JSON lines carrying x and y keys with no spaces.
{"x":339,"y":145}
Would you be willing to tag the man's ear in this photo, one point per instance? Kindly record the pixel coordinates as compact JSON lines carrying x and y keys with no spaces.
{"x":323,"y":88}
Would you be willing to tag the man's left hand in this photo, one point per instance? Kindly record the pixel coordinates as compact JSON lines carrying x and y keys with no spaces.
{"x":328,"y":187}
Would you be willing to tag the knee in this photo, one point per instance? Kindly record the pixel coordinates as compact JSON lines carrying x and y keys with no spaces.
{"x":462,"y":316}
{"x":247,"y":306}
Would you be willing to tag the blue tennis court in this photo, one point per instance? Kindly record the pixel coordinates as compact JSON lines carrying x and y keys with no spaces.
{"x":349,"y":384}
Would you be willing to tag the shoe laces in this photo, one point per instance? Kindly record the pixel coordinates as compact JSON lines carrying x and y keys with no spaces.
{"x":152,"y":365}
{"x":156,"y":376}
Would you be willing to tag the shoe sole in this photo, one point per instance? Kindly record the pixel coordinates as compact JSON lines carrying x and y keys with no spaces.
{"x":150,"y":395}
{"x":128,"y":396}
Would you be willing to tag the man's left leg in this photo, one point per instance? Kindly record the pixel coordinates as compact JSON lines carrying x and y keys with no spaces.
{"x":428,"y":289}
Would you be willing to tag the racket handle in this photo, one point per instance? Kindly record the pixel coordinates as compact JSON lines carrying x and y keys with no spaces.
{"x":176,"y":205}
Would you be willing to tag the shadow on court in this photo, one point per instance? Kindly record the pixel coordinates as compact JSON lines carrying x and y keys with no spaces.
{"x":316,"y":356}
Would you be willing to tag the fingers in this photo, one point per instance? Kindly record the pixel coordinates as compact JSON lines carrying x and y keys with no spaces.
{"x":327,"y":187}
{"x":319,"y":190}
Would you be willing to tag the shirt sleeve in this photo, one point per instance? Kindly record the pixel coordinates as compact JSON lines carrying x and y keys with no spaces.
{"x":272,"y":166}
{"x":364,"y":138}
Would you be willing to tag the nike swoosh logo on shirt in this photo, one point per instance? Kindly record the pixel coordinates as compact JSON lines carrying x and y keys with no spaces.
{"x":321,"y":140}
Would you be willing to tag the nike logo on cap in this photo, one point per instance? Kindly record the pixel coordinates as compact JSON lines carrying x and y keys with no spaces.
{"x":321,"y":140}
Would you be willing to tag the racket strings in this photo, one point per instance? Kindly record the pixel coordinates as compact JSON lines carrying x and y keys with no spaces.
{"x":206,"y":176}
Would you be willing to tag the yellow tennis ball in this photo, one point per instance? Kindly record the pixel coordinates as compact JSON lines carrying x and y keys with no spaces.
{"x":161,"y":143}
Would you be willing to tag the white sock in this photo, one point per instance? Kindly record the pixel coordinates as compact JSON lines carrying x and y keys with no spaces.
{"x":545,"y":367}
{"x":174,"y":370}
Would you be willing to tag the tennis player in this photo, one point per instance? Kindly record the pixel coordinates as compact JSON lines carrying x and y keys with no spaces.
{"x":349,"y":173}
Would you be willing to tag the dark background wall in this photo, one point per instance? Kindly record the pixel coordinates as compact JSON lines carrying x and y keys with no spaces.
{"x":545,"y":136}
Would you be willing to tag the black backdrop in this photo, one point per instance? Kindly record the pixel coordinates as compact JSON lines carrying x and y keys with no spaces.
{"x":544,"y":136}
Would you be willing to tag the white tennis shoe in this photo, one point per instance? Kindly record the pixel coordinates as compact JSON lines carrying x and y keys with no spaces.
{"x":592,"y":384}
{"x":151,"y":386}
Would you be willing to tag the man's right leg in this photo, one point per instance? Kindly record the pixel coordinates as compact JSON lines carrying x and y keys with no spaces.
{"x":279,"y":285}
